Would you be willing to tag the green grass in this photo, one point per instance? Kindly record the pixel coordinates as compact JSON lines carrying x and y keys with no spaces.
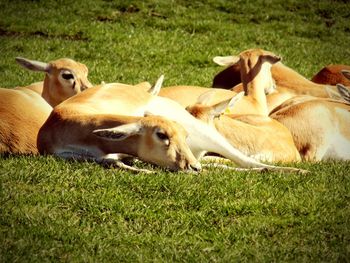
{"x":52,"y":210}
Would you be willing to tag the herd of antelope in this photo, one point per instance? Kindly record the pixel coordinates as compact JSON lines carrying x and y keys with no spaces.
{"x":257,"y":111}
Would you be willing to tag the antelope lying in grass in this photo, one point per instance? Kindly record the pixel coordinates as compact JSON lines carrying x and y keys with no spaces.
{"x":79,"y":116}
{"x":22,"y":113}
{"x":320,"y":127}
{"x":109,"y":137}
{"x":64,"y":78}
{"x":260,"y":137}
{"x":288,"y":83}
{"x":23,"y":110}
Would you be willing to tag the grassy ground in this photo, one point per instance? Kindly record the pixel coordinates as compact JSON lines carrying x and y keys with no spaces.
{"x":53,"y":210}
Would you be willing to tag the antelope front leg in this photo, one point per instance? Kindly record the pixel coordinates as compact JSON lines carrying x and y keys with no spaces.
{"x":115,"y":159}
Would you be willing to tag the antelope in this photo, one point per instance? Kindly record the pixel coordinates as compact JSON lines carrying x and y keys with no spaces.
{"x":260,"y":137}
{"x":110,"y":137}
{"x":64,"y":78}
{"x":288,"y":83}
{"x":24,"y":110}
{"x":81,"y":115}
{"x":22,"y":113}
{"x":320,"y":127}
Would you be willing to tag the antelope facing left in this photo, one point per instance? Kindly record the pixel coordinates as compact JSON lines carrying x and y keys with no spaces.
{"x":24,"y":110}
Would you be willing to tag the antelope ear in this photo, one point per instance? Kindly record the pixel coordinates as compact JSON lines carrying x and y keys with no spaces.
{"x":272,"y":58}
{"x":344,"y":92}
{"x":119,"y":133}
{"x":346,"y":73}
{"x":226,"y":61}
{"x":206,"y":97}
{"x":220,"y":108}
{"x":33,"y":64}
{"x":156,"y":88}
{"x":235,"y":99}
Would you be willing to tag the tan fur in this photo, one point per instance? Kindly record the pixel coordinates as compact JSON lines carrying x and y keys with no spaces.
{"x":289,"y":83}
{"x":187,"y":95}
{"x":24,"y":110}
{"x":22,"y":113}
{"x":55,"y":89}
{"x":70,"y":127}
{"x":254,"y":72}
{"x":257,"y":136}
{"x":332,"y":75}
{"x":320,"y":127}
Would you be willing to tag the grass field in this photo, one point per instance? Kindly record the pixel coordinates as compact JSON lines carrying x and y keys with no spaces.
{"x":52,"y":210}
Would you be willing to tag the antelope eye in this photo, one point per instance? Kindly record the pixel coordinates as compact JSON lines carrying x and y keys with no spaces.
{"x":67,"y":76}
{"x":162,"y":136}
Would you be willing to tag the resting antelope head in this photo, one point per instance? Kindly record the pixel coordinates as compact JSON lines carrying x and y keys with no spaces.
{"x":153,"y":139}
{"x":64,"y":78}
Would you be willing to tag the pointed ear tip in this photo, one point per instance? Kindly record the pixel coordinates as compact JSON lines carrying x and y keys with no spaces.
{"x":19,"y":59}
{"x":96,"y":131}
{"x":341,"y":86}
{"x":161,"y":78}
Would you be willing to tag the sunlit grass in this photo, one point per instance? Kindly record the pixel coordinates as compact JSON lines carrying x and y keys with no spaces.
{"x":53,"y":210}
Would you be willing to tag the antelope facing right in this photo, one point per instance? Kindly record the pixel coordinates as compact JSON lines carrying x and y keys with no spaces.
{"x":64,"y":78}
{"x":95,"y":105}
{"x":24,"y":110}
{"x":319,"y":126}
{"x":260,"y":137}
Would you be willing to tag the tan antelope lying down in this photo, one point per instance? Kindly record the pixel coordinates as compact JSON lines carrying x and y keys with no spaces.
{"x":116,"y":100}
{"x":64,"y":78}
{"x":288,"y":83}
{"x":109,"y":137}
{"x":260,"y":137}
{"x":23,"y":111}
{"x":320,"y":127}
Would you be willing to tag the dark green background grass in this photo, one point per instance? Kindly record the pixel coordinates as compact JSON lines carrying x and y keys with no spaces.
{"x":52,"y":210}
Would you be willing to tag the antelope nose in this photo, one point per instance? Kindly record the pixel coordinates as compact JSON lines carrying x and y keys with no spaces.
{"x":196,"y":167}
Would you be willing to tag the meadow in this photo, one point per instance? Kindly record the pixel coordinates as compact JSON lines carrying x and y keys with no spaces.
{"x":53,"y":210}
